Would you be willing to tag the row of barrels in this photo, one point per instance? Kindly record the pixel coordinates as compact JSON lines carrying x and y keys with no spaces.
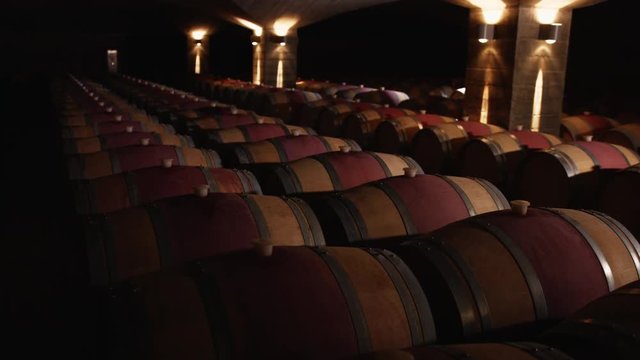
{"x":581,"y":175}
{"x":304,"y":104}
{"x":332,"y":302}
{"x":441,"y":145}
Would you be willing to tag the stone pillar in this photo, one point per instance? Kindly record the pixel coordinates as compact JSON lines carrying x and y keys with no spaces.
{"x":517,"y":78}
{"x":274,"y":63}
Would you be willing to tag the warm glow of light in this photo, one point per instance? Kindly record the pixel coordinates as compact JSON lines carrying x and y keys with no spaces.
{"x":283,"y":43}
{"x":281,"y":26}
{"x":484,"y":110}
{"x":462,"y":90}
{"x":198,"y":34}
{"x":491,"y":9}
{"x":257,"y":79}
{"x":280,"y":75}
{"x":546,"y":15}
{"x":483,"y":41}
{"x":197,"y":69}
{"x":547,"y":10}
{"x":254,"y":43}
{"x":257,"y":29}
{"x":537,"y":103}
{"x":550,"y":41}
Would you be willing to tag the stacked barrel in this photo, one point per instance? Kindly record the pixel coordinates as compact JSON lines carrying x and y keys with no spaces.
{"x":215,"y":245}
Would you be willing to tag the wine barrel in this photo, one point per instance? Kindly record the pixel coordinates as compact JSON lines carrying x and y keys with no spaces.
{"x":401,"y":206}
{"x":83,"y":119}
{"x":504,"y":274}
{"x":332,"y":91}
{"x":226,"y":121}
{"x":121,"y":191}
{"x":625,"y":135}
{"x":289,"y":148}
{"x":114,"y":141}
{"x":607,"y":328}
{"x":382,"y":97}
{"x":494,"y":158}
{"x":298,"y":303}
{"x":534,"y":140}
{"x":171,"y":231}
{"x":105,"y":163}
{"x":493,"y":351}
{"x":394,"y":136}
{"x":574,"y":128}
{"x":568,"y":175}
{"x":107,"y":128}
{"x":619,"y":198}
{"x":362,"y":125}
{"x":351,"y":92}
{"x":334,"y":171}
{"x":437,"y":147}
{"x":331,"y":119}
{"x":307,"y":114}
{"x":254,"y":133}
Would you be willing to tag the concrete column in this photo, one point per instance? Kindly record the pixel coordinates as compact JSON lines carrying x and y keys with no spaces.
{"x":517,"y":78}
{"x":275,"y":62}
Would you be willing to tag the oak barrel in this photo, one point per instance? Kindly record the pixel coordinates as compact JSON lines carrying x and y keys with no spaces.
{"x":569,"y":175}
{"x":505,"y":274}
{"x":402,"y":206}
{"x":171,"y":231}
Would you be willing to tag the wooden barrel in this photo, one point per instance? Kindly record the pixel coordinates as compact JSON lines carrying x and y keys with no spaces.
{"x":534,"y":140}
{"x":569,"y":174}
{"x":361,"y":126}
{"x":254,"y":133}
{"x":607,"y":328}
{"x":625,"y":135}
{"x":114,"y":141}
{"x":331,"y":119}
{"x":121,"y":191}
{"x":105,"y":163}
{"x":394,"y":136}
{"x":574,"y":128}
{"x":494,"y":158}
{"x":276,"y":103}
{"x":351,"y":92}
{"x":171,"y":231}
{"x":84,"y":119}
{"x":107,"y":128}
{"x":402,"y":206}
{"x":437,"y":147}
{"x":226,"y":121}
{"x":493,"y":351}
{"x":619,"y":198}
{"x":334,"y":171}
{"x":388,"y":97}
{"x":502,"y":274}
{"x":308,"y":114}
{"x":298,"y":303}
{"x":332,"y":91}
{"x":289,"y":148}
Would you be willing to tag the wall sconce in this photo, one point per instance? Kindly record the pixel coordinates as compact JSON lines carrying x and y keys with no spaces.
{"x":255,"y":40}
{"x":549,"y":32}
{"x":198,"y":43}
{"x":279,"y":39}
{"x":485,"y":33}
